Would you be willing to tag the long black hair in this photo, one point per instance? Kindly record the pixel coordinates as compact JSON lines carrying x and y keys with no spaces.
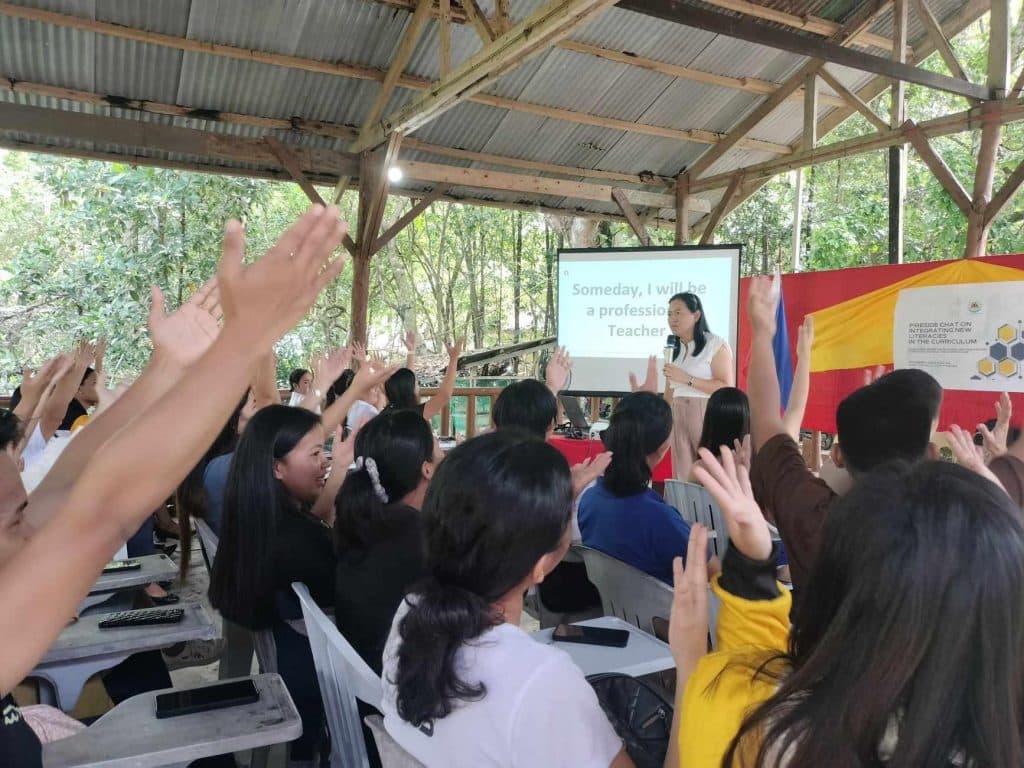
{"x":726,"y":419}
{"x":700,"y":327}
{"x":190,"y":496}
{"x":400,"y":389}
{"x":398,"y":442}
{"x":241,"y":587}
{"x":639,"y":426}
{"x":340,"y":386}
{"x":911,"y":619}
{"x":497,"y":504}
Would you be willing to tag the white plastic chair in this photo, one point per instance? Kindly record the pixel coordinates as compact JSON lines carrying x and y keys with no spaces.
{"x":634,"y":596}
{"x":208,"y":540}
{"x":344,"y":677}
{"x":677,"y":493}
{"x":391,"y":753}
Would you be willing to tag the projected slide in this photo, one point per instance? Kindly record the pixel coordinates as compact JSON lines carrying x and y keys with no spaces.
{"x":612,"y":306}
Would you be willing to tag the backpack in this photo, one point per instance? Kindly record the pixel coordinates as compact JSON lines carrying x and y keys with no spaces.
{"x":640,"y":715}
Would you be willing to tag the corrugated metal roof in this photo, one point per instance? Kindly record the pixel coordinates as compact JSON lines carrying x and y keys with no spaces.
{"x":367,"y":33}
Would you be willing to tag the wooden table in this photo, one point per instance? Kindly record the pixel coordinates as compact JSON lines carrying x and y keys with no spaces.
{"x":154,"y":568}
{"x":642,"y":655}
{"x":83,"y":649}
{"x":131,"y":735}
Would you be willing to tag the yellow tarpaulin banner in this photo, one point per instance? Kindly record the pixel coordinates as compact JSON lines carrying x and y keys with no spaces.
{"x":858,"y":333}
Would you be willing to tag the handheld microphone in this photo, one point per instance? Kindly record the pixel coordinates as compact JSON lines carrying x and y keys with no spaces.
{"x":671,"y":348}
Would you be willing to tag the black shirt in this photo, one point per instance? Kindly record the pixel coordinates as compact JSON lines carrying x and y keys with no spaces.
{"x":74,"y":412}
{"x":303,"y":551}
{"x":372,"y":580}
{"x":19,"y":745}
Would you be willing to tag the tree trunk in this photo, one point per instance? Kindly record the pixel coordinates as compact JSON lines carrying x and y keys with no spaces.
{"x":517,"y":282}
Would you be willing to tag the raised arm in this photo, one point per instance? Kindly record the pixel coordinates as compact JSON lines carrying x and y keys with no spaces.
{"x":264,"y":381}
{"x":558,"y":370}
{"x":126,"y":479}
{"x":444,"y":395}
{"x":410,"y":350}
{"x":64,"y":393}
{"x":326,"y":369}
{"x":762,"y":384}
{"x":797,"y":406}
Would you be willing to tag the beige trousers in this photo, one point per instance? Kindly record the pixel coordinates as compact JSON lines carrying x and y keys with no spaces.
{"x":687,"y":424}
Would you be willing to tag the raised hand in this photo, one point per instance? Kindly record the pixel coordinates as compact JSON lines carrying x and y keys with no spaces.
{"x":688,"y":623}
{"x":744,"y":452}
{"x":359,"y":352}
{"x":263,"y":300}
{"x":370,"y":376}
{"x":330,"y":366}
{"x":558,"y":370}
{"x":455,"y":350}
{"x":34,"y":384}
{"x":761,"y":305}
{"x":100,"y":353}
{"x":185,"y":334}
{"x":650,"y":382}
{"x":805,"y":338}
{"x":587,"y":471}
{"x":871,"y":375}
{"x":729,"y":485}
{"x":410,"y":341}
{"x":994,"y":441}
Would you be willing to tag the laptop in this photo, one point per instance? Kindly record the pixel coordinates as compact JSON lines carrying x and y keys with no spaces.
{"x":572,"y":409}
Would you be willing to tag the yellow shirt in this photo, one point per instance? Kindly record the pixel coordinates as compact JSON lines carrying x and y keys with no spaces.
{"x":723,"y":690}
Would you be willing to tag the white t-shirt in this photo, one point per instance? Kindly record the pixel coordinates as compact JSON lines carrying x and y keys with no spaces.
{"x":360,"y":413}
{"x":539,"y":709}
{"x":697,"y":366}
{"x":34,"y":447}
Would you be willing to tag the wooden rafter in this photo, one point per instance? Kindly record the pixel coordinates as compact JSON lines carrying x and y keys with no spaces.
{"x":360,"y":72}
{"x":938,"y":38}
{"x":683,"y":200}
{"x":375,"y":165}
{"x":444,"y":37}
{"x":479,"y":20}
{"x":398,"y":62}
{"x":340,"y":188}
{"x":851,"y":99}
{"x":635,"y":222}
{"x":503,"y":19}
{"x":418,"y":207}
{"x":897,"y":159}
{"x":531,"y":36}
{"x":758,"y":32}
{"x":807,"y":23}
{"x":317,"y":128}
{"x":938,"y":167}
{"x":721,"y":209}
{"x":291,"y":164}
{"x":746,"y":84}
{"x":1005,"y":194}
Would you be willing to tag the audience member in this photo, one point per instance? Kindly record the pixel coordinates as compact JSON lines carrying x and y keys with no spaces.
{"x":403,"y":392}
{"x":621,"y":515}
{"x":94,"y":497}
{"x":300,"y":383}
{"x":463,"y":684}
{"x":528,"y":405}
{"x":890,"y":419}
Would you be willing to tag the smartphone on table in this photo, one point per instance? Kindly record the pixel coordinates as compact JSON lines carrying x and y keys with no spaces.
{"x":116,"y":566}
{"x":577,"y":633}
{"x":231,"y":694}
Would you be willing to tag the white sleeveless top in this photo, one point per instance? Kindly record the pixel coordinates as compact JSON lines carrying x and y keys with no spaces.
{"x":697,"y":366}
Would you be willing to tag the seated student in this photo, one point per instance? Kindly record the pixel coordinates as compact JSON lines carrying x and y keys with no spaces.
{"x":403,"y":392}
{"x":464,"y":686}
{"x":891,"y":419}
{"x":726,"y":421}
{"x":530,"y":406}
{"x":110,"y":478}
{"x":300,"y":383}
{"x":271,"y":535}
{"x":902,"y":653}
{"x":377,"y":532}
{"x":621,"y":515}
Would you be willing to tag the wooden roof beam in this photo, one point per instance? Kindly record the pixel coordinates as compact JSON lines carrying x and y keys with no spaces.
{"x":754,"y":31}
{"x":531,"y":36}
{"x":938,"y":167}
{"x":938,"y":38}
{"x":851,"y":99}
{"x":635,"y":222}
{"x":321,"y":128}
{"x":721,"y":209}
{"x":408,"y":217}
{"x":361,"y":72}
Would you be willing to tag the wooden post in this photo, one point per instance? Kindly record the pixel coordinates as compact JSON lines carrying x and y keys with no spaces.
{"x":716,"y":216}
{"x":897,"y":153}
{"x":446,"y":420}
{"x":808,"y":139}
{"x":978,"y":224}
{"x":682,"y":208}
{"x":470,"y":415}
{"x":444,"y":33}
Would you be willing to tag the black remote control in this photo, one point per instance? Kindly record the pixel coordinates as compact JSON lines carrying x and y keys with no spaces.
{"x":143,"y":617}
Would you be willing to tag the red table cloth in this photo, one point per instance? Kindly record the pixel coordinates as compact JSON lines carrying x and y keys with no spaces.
{"x":581,"y":450}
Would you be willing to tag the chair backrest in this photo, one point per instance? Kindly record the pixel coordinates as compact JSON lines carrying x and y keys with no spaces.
{"x":391,"y":753}
{"x":677,"y":493}
{"x":266,"y":650}
{"x":208,"y":539}
{"x":344,"y":677}
{"x":710,"y":514}
{"x":627,"y":592}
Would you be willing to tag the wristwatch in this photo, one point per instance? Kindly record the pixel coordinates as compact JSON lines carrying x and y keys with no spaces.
{"x":689,"y":382}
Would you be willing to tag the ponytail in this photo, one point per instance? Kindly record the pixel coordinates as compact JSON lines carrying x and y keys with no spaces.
{"x":439,"y":621}
{"x":391,"y":450}
{"x":497,"y":504}
{"x":640,"y":425}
